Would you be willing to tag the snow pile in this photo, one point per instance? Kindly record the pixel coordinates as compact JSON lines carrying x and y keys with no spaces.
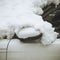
{"x":19,"y":17}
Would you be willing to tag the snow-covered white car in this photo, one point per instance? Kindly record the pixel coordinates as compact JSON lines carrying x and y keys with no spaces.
{"x":23,"y":19}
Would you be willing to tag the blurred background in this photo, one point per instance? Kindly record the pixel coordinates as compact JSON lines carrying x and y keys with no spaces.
{"x":52,"y":15}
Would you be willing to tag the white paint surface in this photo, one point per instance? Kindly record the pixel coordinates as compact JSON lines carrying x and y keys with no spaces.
{"x":29,"y":51}
{"x":33,"y":51}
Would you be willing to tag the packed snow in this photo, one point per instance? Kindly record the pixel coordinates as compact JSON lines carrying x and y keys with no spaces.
{"x":21,"y":17}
